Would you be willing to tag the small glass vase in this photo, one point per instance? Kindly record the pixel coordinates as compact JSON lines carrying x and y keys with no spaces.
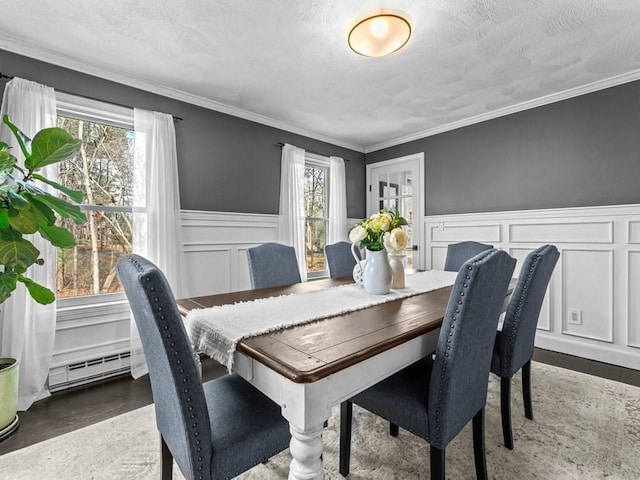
{"x":396,"y":261}
{"x":376,"y":274}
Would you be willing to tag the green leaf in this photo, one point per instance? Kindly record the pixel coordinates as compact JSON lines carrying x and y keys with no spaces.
{"x":4,"y":218}
{"x":58,"y":236}
{"x":7,"y":164}
{"x":75,"y":195}
{"x":62,"y":208}
{"x":51,"y":145}
{"x":16,"y":201}
{"x":43,"y":212}
{"x":39,"y":293}
{"x":23,"y":140}
{"x":16,"y":252}
{"x":8,"y":282}
{"x":24,"y":220}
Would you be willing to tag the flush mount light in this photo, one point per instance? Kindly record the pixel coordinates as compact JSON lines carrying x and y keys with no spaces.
{"x":380,"y":34}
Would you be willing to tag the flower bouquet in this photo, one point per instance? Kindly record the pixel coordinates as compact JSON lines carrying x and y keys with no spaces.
{"x":382,"y":232}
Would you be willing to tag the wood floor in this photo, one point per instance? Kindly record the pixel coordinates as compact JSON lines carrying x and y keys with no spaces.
{"x":75,"y":408}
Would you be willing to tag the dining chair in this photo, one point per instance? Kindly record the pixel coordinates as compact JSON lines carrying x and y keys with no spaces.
{"x":340,"y":259}
{"x":272,"y":265}
{"x":513,"y":348}
{"x":435,"y":398}
{"x":458,"y":253}
{"x":214,"y":430}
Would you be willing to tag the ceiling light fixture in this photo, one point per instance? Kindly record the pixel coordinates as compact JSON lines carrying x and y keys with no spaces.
{"x":380,"y":34}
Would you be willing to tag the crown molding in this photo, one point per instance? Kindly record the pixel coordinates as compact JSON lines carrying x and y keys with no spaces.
{"x":529,"y":104}
{"x":65,"y":61}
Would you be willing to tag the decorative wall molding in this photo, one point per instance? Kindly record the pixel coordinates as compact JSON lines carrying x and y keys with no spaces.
{"x":598,"y":272}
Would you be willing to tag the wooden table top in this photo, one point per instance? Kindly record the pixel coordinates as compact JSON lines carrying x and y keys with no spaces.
{"x":308,"y":352}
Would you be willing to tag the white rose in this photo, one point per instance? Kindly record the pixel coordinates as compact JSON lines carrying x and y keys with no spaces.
{"x":357,"y":234}
{"x":395,"y":240}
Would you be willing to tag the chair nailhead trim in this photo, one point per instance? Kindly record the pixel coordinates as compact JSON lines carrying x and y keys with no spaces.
{"x":516,"y":317}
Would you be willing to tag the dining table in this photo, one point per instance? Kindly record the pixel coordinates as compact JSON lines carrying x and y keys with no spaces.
{"x":309,"y":368}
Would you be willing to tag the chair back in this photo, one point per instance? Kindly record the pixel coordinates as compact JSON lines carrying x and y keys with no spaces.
{"x":460,"y":375}
{"x":458,"y":253}
{"x":273,"y":265}
{"x":515,"y":343}
{"x":340,"y":259}
{"x":181,"y":410}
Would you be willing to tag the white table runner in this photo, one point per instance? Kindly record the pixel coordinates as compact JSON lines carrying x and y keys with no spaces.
{"x":217,"y":330}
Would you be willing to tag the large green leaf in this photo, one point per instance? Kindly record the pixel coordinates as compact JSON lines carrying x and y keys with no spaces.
{"x":58,"y":236}
{"x":62,"y":208}
{"x":24,"y":220}
{"x":16,"y":201}
{"x":51,"y":145}
{"x":75,"y":195}
{"x":40,"y":293}
{"x":45,"y":215}
{"x":4,"y":218}
{"x":7,"y":164}
{"x":16,"y":252}
{"x":7,"y":284}
{"x":23,"y":140}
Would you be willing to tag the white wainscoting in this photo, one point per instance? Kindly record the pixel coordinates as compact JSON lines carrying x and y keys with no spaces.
{"x":215,"y":247}
{"x":598,"y":272}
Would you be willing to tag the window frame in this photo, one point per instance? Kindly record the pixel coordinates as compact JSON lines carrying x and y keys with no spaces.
{"x":319,"y":161}
{"x":74,"y":106}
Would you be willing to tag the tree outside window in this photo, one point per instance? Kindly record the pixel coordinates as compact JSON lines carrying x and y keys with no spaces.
{"x":103,"y":170}
{"x":316,"y":212}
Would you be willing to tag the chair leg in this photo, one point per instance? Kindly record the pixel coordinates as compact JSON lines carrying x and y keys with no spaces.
{"x":437,"y":460}
{"x":393,"y":429}
{"x":505,"y":407}
{"x":478,"y":445}
{"x":346,"y":413}
{"x":526,"y":390}
{"x":166,"y":461}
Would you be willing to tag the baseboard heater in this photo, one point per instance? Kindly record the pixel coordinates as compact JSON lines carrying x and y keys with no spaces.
{"x":88,"y":371}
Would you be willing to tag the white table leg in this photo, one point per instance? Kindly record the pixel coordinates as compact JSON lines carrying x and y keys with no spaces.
{"x":306,"y":450}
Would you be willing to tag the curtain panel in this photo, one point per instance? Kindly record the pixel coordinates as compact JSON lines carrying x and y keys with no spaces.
{"x":337,"y":201}
{"x":292,"y":217}
{"x":157,"y":228}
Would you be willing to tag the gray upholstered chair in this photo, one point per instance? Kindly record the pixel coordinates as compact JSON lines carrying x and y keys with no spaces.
{"x":458,"y":253}
{"x":435,"y":399}
{"x":214,"y":430}
{"x":340,"y":259}
{"x":514,"y":344}
{"x":273,"y":265}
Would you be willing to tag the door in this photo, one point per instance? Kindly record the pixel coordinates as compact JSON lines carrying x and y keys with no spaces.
{"x":397,"y":185}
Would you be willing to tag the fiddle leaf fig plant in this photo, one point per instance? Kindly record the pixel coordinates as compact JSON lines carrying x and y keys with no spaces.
{"x":26,"y":209}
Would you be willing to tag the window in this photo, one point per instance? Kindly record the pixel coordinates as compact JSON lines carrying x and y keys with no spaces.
{"x":316,"y":178}
{"x":103,"y":171}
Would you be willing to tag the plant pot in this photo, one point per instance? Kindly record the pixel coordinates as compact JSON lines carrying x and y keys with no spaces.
{"x":8,"y":397}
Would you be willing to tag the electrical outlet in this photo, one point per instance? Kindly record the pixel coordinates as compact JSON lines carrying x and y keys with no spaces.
{"x":575,"y":316}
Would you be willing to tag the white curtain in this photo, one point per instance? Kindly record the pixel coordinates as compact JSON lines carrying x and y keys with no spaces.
{"x":291,"y":219}
{"x":337,"y":201}
{"x":157,"y":229}
{"x":28,"y":328}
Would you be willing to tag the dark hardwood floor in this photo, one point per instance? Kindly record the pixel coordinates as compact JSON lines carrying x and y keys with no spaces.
{"x":78,"y":407}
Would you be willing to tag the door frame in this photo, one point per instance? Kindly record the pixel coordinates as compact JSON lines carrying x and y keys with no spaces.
{"x":419,"y":223}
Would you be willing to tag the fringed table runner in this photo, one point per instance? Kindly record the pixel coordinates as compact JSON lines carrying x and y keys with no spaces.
{"x":216,"y":331}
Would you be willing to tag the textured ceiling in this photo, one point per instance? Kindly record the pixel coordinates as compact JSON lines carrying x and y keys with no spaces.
{"x":286,"y":62}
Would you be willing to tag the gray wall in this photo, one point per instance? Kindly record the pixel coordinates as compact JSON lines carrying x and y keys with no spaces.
{"x":225,"y":163}
{"x":579,"y":152}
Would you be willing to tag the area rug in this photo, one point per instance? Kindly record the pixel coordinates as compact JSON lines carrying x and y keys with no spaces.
{"x":585,"y":427}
